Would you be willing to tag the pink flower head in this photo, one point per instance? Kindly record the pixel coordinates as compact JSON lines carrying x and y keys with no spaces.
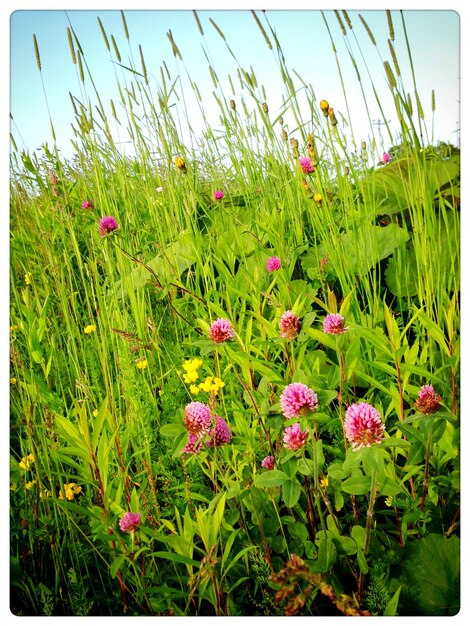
{"x":221,"y":330}
{"x":220,"y":434}
{"x":197,"y":417}
{"x":297,"y":399}
{"x":306,"y":165}
{"x":386,"y":157}
{"x":268,"y":462}
{"x":88,"y":204}
{"x":107,"y":225}
{"x":193,"y":446}
{"x":333,"y":324}
{"x":273,"y":264}
{"x":129,"y":522}
{"x":289,"y":325}
{"x":363,"y":425}
{"x":218,"y":195}
{"x":294,"y":438}
{"x":428,"y":401}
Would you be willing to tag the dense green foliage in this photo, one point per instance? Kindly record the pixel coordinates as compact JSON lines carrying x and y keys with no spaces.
{"x":102,"y":326}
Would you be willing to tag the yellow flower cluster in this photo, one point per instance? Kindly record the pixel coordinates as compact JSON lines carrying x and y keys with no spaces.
{"x":71,"y":490}
{"x":212,"y":384}
{"x":26,"y":462}
{"x":191,"y":367}
{"x":142,"y":364}
{"x":91,"y":328}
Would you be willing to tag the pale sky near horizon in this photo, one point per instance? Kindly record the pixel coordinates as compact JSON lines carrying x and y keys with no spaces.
{"x":434,"y":37}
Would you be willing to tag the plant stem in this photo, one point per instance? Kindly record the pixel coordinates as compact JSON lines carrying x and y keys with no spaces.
{"x":426,"y":471}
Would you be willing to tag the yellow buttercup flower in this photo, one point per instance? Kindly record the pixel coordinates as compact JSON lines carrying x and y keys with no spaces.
{"x":95,"y":412}
{"x":71,"y":490}
{"x":13,"y":381}
{"x":317,"y":197}
{"x":142,"y":364}
{"x":26,"y":462}
{"x":91,"y":328}
{"x":27,"y":278}
{"x":30,"y":484}
{"x":324,"y":482}
{"x":194,"y":390}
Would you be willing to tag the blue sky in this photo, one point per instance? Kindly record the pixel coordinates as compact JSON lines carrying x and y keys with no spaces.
{"x":433,"y":34}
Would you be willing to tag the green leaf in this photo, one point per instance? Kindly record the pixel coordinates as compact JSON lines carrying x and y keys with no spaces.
{"x":271,"y":478}
{"x":356,"y":485}
{"x":177,"y":558}
{"x":336,"y":471}
{"x":291,"y":491}
{"x":297,"y":530}
{"x":388,"y":487}
{"x":116,"y":565}
{"x":326,"y":550}
{"x":392,"y":605}
{"x":171,"y":430}
{"x":306,"y":466}
{"x":416,"y":453}
{"x":401,"y":274}
{"x":430,"y":576}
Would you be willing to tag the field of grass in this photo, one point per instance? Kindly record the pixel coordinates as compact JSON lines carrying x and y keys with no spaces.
{"x":237,"y":394}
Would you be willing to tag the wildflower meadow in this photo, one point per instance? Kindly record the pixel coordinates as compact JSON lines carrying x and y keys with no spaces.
{"x":234,"y":379}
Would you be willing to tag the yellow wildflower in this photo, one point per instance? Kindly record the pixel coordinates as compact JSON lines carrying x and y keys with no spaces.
{"x":389,"y":500}
{"x":30,"y":484}
{"x":212,"y":384}
{"x":13,"y":381}
{"x":190,"y":367}
{"x":180,"y":164}
{"x":324,"y":106}
{"x":318,"y":197}
{"x":27,"y":278}
{"x":95,"y":412}
{"x":44,"y":493}
{"x":160,"y":392}
{"x":71,"y":490}
{"x":91,"y":328}
{"x":190,"y":377}
{"x":207,"y":384}
{"x":324,"y":482}
{"x":26,"y":462}
{"x":14,"y":328}
{"x":142,"y":364}
{"x":194,"y":390}
{"x":13,"y":486}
